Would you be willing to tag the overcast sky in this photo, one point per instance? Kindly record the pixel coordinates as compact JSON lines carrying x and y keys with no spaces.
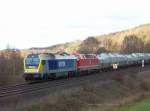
{"x":39,"y":23}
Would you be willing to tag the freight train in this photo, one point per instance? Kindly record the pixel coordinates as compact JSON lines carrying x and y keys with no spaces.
{"x":51,"y":66}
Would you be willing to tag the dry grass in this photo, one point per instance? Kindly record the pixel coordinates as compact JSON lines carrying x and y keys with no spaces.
{"x":86,"y":98}
{"x":97,"y":96}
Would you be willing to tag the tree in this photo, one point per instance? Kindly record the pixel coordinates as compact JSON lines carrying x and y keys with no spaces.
{"x":147,"y":47}
{"x":132,"y":44}
{"x":107,"y":43}
{"x":11,"y":65}
{"x":101,"y":50}
{"x":90,"y":45}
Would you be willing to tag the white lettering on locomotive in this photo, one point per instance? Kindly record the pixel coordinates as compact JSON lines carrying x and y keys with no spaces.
{"x":62,"y":64}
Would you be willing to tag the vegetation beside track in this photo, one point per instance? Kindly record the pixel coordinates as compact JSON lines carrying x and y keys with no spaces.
{"x":95,"y":97}
{"x":143,"y":105}
{"x":11,"y":67}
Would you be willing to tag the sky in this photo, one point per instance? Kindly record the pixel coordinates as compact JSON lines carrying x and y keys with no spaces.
{"x":41,"y":23}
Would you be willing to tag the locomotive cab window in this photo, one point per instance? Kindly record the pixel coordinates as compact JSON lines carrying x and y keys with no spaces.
{"x":32,"y":61}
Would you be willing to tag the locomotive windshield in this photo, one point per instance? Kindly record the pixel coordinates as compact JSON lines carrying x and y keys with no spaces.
{"x":32,"y":61}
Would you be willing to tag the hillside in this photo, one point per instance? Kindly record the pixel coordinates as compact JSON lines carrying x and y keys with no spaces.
{"x":142,"y":32}
{"x":68,"y":47}
{"x":111,"y":42}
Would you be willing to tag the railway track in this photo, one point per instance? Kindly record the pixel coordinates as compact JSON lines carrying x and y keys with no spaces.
{"x":28,"y":88}
{"x":12,"y":87}
{"x":20,"y":89}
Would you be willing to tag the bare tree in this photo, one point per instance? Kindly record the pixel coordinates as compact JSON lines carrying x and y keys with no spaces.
{"x":101,"y":50}
{"x":90,"y":45}
{"x":132,"y":44}
{"x":107,"y":43}
{"x":147,"y":47}
{"x":11,"y":64}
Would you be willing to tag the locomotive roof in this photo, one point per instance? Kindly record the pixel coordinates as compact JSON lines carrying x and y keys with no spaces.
{"x":56,"y":56}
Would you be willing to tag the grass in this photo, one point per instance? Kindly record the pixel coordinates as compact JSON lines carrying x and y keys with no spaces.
{"x":95,"y":97}
{"x":143,"y":105}
{"x":85,"y":98}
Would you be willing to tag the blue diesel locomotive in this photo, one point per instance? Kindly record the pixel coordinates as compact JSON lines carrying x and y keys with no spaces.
{"x":45,"y":66}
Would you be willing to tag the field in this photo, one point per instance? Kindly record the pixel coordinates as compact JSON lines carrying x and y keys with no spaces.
{"x":104,"y":95}
{"x":143,"y":105}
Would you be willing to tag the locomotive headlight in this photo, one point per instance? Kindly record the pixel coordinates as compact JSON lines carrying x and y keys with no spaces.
{"x":26,"y":71}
